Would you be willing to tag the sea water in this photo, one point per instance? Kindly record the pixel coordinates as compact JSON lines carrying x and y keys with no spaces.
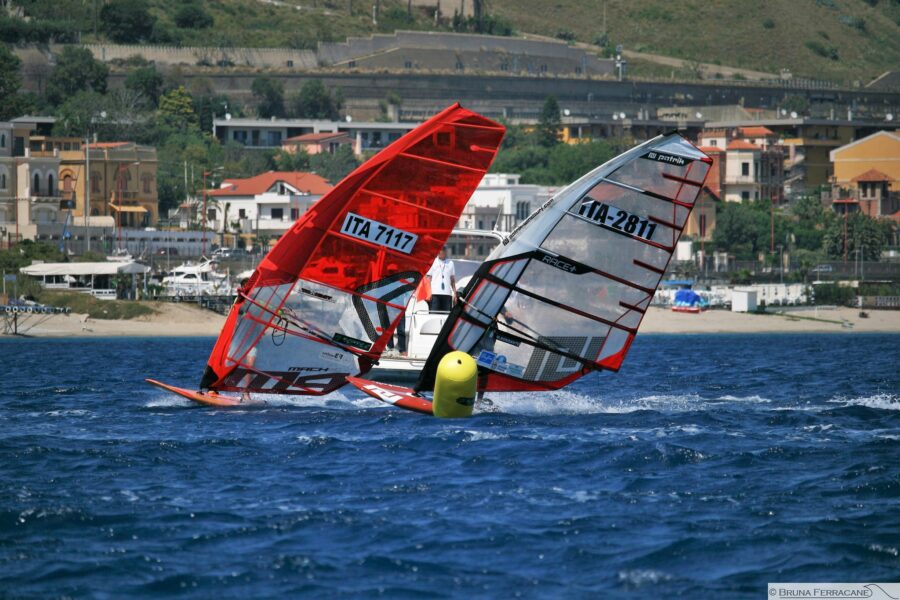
{"x":709,"y":466}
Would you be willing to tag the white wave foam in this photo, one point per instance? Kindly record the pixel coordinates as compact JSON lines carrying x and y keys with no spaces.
{"x":566,"y":402}
{"x":749,"y":399}
{"x":168,"y":401}
{"x":639,"y":577}
{"x":882,"y":401}
{"x":476,"y":436}
{"x":885,"y":549}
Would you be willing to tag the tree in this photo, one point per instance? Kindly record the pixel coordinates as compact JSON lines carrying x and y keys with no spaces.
{"x":146,"y":81}
{"x":315,"y":102}
{"x":127,"y":21}
{"x":550,"y":123}
{"x":742,"y":229}
{"x":863,"y":233}
{"x":76,"y":70}
{"x":176,"y":110}
{"x":270,"y":95}
{"x":192,"y":16}
{"x":10,"y":82}
{"x":334,"y":167}
{"x":291,"y":161}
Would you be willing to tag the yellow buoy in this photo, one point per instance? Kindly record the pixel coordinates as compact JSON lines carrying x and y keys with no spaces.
{"x":455,"y":386}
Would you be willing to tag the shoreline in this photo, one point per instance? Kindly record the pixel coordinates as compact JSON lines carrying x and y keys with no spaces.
{"x":185,"y":320}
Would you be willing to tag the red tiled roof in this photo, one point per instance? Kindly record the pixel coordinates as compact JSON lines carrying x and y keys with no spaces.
{"x":309,"y":183}
{"x":756,"y":131}
{"x":742,"y":145}
{"x":102,"y":145}
{"x":710,"y":149}
{"x":872,"y":175}
{"x":312,"y":138}
{"x":845,"y":201}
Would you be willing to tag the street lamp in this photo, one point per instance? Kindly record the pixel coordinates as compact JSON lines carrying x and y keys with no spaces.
{"x":204,"y":219}
{"x":87,"y":189}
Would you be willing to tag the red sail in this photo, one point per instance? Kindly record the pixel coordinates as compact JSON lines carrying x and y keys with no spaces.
{"x":325,"y":301}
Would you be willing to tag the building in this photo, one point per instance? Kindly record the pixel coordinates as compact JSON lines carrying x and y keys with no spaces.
{"x":28,"y":184}
{"x":867,"y":175}
{"x":748,"y":163}
{"x":274,"y":133}
{"x":266,"y":204}
{"x":317,"y":143}
{"x":122,"y":184}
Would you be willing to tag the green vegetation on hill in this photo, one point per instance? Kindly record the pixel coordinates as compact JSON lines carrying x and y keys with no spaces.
{"x":842,"y":40}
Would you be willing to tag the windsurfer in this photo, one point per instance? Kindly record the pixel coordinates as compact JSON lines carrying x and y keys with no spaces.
{"x":442,"y":277}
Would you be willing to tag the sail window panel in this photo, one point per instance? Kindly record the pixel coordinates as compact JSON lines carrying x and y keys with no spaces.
{"x":607,"y":252}
{"x":402,"y":216}
{"x":253,"y":314}
{"x":320,"y":311}
{"x":588,"y":292}
{"x":509,"y":271}
{"x":426,"y":183}
{"x":486,"y":301}
{"x":465,"y":335}
{"x":374,"y":317}
{"x":614,"y":344}
{"x":648,"y":175}
{"x":470,"y":147}
{"x":347,"y":264}
{"x":647,"y":217}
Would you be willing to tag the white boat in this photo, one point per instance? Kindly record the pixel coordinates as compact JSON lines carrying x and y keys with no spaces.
{"x":423,"y":326}
{"x":192,"y":280}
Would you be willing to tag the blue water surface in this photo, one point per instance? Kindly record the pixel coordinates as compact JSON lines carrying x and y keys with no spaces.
{"x":709,"y":466}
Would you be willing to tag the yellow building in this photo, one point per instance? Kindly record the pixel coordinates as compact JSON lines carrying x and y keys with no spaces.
{"x":867,"y":172}
{"x":122,"y":178}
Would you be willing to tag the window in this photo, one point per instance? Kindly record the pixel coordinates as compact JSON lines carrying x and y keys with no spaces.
{"x":2,"y":181}
{"x":522,"y":210}
{"x":408,"y":64}
{"x":713,"y":143}
{"x":745,"y":196}
{"x":2,"y":140}
{"x":277,"y":214}
{"x":210,"y":214}
{"x":95,"y":181}
{"x":146,"y":179}
{"x":242,"y":213}
{"x":745,"y":169}
{"x":50,"y":190}
{"x":36,"y":188}
{"x":351,"y":64}
{"x":295,"y":214}
{"x":67,"y":183}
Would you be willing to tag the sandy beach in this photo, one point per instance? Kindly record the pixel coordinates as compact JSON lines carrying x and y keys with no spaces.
{"x":189,"y":320}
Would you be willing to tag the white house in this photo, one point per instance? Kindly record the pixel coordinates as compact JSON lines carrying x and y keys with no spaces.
{"x":268,"y":203}
{"x":501,"y":202}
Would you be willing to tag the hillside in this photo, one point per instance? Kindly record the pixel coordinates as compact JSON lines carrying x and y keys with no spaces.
{"x":843,"y":40}
{"x":822,"y":39}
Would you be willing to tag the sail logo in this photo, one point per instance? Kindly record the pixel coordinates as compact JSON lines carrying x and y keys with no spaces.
{"x":559,"y":264}
{"x":378,"y":233}
{"x":616,"y":219}
{"x":386,"y":395}
{"x":666,"y":158}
